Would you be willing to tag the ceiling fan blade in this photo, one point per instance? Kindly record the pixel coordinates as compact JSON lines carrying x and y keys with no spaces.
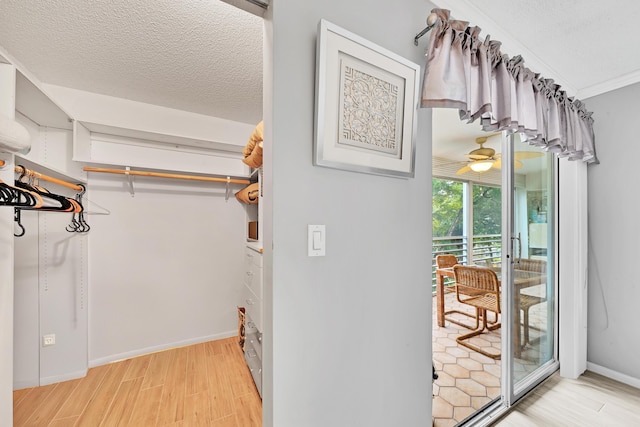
{"x":524,"y":155}
{"x":463,"y":169}
{"x":516,"y":163}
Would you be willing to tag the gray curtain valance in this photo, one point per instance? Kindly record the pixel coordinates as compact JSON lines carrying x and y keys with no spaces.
{"x":472,"y":75}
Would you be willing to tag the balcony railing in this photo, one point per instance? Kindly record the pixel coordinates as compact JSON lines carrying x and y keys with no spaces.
{"x":485,"y":249}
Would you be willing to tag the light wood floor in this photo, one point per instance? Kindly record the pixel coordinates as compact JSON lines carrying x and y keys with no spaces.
{"x":205,"y":384}
{"x":591,"y":400}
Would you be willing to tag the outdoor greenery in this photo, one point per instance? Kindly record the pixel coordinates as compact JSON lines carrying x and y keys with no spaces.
{"x":447,"y":208}
{"x":448,"y":214}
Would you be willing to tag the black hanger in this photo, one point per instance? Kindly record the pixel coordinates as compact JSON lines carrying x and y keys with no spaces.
{"x":79,"y":225}
{"x":16,"y":218}
{"x":14,"y":196}
{"x":66,"y":204}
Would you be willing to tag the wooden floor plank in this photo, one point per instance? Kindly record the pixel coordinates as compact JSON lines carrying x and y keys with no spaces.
{"x":213,"y":348}
{"x":228,"y":421}
{"x":64,"y":422}
{"x":18,"y":395}
{"x":145,"y":411}
{"x":238,"y":374}
{"x":47,"y":411}
{"x":172,"y":404}
{"x":251,"y":416}
{"x":82,"y":394}
{"x":102,"y":398}
{"x":121,"y":408}
{"x":196,"y":410}
{"x":157,"y":370}
{"x":196,"y":365}
{"x":31,"y":403}
{"x":220,"y":393}
{"x":138,"y":367}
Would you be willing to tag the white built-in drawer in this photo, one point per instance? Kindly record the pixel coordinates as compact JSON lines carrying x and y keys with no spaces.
{"x":252,"y":257}
{"x":253,"y":279}
{"x":253,"y":307}
{"x":255,"y":314}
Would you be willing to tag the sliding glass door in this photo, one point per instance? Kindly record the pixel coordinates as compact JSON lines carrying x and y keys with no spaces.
{"x":528,"y":267}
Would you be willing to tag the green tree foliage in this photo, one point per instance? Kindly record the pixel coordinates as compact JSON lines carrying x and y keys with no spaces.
{"x":487,"y":210}
{"x":448,"y":215}
{"x":447,"y":207}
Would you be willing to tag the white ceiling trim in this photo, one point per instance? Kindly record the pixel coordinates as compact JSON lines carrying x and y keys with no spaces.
{"x":256,"y":7}
{"x":466,"y":10}
{"x":609,"y":85}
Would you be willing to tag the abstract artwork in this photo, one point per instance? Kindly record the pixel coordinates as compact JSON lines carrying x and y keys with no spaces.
{"x":365,"y":106}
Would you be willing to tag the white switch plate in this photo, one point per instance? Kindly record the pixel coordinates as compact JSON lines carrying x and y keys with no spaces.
{"x":316,"y":240}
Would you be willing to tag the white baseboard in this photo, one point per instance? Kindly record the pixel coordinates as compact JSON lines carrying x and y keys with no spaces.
{"x":66,"y":377}
{"x":139,"y":352}
{"x":614,"y":375}
{"x":19,"y":385}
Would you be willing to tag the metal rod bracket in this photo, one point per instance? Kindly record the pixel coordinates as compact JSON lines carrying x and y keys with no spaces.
{"x":131,"y":188}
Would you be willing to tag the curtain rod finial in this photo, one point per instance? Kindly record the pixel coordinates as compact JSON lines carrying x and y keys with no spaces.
{"x":431,"y":19}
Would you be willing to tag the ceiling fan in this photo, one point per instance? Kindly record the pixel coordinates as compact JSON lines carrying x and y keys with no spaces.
{"x":482,"y":159}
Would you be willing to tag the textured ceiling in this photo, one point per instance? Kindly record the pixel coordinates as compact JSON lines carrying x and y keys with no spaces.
{"x":203,"y":56}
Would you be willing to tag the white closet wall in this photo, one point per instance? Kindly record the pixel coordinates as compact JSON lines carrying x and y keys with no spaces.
{"x":7,"y":107}
{"x":50,"y":264}
{"x":164,"y":265}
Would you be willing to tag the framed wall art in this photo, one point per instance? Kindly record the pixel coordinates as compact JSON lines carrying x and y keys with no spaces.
{"x":366,"y":100}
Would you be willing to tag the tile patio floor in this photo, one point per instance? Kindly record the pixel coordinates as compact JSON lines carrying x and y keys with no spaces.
{"x":467,"y":379}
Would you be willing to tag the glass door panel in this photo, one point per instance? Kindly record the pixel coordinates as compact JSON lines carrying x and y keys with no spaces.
{"x":532,"y":280}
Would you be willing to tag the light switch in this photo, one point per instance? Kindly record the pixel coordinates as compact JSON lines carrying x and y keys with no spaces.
{"x":316,"y":240}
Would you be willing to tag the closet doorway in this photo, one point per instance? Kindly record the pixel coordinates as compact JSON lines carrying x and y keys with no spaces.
{"x":500,"y":215}
{"x":165,"y":267}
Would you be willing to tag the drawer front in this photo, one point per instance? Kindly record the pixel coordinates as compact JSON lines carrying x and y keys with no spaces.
{"x":255,"y":367}
{"x":254,"y":339}
{"x":253,"y":308}
{"x":252,"y":257}
{"x":253,"y":279}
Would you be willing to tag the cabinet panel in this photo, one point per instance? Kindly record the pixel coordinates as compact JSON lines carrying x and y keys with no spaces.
{"x":252,"y":257}
{"x":253,"y":279}
{"x":253,"y":307}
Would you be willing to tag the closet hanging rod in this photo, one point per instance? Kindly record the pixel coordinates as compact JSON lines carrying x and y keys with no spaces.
{"x":167,"y":175}
{"x":38,"y":175}
{"x":431,"y":21}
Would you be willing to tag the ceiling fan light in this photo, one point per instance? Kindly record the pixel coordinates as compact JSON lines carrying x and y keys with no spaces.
{"x":481,"y":165}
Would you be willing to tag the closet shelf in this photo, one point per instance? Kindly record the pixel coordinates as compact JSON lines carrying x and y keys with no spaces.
{"x":49,"y":172}
{"x":154,"y":138}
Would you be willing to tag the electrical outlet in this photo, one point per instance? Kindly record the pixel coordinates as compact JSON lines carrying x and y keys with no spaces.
{"x":48,"y":340}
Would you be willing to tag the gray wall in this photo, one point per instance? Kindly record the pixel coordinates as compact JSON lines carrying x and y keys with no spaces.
{"x":351,"y":331}
{"x":614,"y":227}
{"x":164,"y":265}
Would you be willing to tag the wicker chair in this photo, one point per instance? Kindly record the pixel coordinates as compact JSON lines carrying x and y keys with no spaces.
{"x":527,"y":301}
{"x":484,"y":283}
{"x":448,"y":261}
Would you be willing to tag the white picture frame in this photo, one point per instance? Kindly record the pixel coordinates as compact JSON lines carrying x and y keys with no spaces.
{"x":366,"y":103}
